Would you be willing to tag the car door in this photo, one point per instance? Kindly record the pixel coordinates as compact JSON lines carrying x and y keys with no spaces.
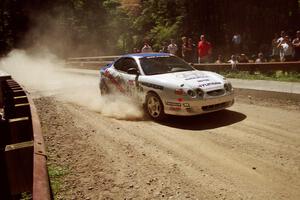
{"x":114,"y":74}
{"x":126,"y":80}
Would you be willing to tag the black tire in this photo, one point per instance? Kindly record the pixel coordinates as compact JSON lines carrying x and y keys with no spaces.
{"x":154,"y":107}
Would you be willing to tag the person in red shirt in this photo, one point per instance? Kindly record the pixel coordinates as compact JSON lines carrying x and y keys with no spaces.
{"x":204,"y":50}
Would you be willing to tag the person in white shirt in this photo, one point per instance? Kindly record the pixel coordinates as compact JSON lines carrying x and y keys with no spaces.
{"x":296,"y":45}
{"x":146,"y":48}
{"x":282,"y":35}
{"x":233,"y":60}
{"x":286,"y":49}
{"x":236,"y":41}
{"x":172,"y":48}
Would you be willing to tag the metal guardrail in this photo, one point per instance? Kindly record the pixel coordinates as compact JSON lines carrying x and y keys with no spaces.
{"x":90,"y":62}
{"x":22,"y":151}
{"x":95,"y":58}
{"x":100,"y":61}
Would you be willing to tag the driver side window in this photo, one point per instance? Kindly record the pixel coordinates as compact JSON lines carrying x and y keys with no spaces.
{"x":124,"y":64}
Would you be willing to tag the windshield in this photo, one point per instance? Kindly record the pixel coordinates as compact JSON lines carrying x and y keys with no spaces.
{"x":163,"y":64}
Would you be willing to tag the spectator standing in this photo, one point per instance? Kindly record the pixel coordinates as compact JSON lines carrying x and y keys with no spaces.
{"x":204,"y":50}
{"x":183,"y":47}
{"x":164,"y":48}
{"x":275,"y":50}
{"x":233,"y":61}
{"x":236,"y":43}
{"x":192,"y":51}
{"x":282,"y":35}
{"x":172,"y":48}
{"x":186,"y":50}
{"x":286,"y":49}
{"x":146,"y":48}
{"x":296,"y":45}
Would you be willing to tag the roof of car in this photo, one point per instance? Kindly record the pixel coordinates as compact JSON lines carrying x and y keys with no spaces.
{"x":141,"y":55}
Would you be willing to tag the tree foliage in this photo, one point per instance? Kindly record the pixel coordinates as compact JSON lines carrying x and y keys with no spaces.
{"x":102,"y":27}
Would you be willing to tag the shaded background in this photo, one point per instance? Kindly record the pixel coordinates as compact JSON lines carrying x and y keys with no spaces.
{"x":106,"y":27}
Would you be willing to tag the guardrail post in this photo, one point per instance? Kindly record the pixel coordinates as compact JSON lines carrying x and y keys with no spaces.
{"x":19,"y":167}
{"x":19,"y":129}
{"x":4,"y":189}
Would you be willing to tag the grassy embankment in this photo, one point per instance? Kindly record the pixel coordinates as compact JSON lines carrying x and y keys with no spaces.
{"x":56,"y":174}
{"x":277,"y":76}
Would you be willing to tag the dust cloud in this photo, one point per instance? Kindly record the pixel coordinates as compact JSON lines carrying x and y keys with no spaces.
{"x":43,"y":74}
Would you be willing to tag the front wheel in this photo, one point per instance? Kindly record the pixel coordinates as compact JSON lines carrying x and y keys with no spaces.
{"x":154,"y":107}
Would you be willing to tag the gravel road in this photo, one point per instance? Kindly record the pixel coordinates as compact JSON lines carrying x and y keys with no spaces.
{"x":109,"y":150}
{"x":250,"y":151}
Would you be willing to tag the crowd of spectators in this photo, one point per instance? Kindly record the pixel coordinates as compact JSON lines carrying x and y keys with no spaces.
{"x":284,"y":47}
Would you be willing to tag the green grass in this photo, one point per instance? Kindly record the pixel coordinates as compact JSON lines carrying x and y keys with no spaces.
{"x":55,"y":174}
{"x":26,"y":196}
{"x":275,"y":76}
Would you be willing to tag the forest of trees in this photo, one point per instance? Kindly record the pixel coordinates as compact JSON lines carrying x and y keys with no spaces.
{"x":106,"y":27}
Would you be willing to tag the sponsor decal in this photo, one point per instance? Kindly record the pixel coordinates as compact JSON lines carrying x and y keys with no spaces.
{"x":180,"y":99}
{"x":152,"y":85}
{"x":186,"y":105}
{"x":114,"y":81}
{"x":175,"y":108}
{"x":209,"y":84}
{"x":173,"y":103}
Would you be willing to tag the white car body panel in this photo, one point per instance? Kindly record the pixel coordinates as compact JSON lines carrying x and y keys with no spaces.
{"x":215,"y":96}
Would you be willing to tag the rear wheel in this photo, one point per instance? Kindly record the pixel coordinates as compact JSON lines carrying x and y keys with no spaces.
{"x":154,"y":107}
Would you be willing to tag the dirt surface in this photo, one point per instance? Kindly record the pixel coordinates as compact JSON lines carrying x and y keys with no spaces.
{"x":108,"y":150}
{"x":250,"y":151}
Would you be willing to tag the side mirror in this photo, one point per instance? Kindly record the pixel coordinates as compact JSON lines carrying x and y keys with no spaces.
{"x":133,"y":71}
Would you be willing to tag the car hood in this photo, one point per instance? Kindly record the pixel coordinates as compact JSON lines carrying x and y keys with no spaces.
{"x":190,"y":79}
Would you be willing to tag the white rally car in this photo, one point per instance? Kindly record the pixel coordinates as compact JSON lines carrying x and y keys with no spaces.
{"x":166,"y":84}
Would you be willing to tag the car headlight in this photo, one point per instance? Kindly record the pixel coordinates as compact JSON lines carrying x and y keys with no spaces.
{"x":228,"y":87}
{"x":191,"y":93}
{"x":200,"y":93}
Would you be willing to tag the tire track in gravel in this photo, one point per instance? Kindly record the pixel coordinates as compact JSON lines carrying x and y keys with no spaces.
{"x":151,"y":171}
{"x":255,"y":157}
